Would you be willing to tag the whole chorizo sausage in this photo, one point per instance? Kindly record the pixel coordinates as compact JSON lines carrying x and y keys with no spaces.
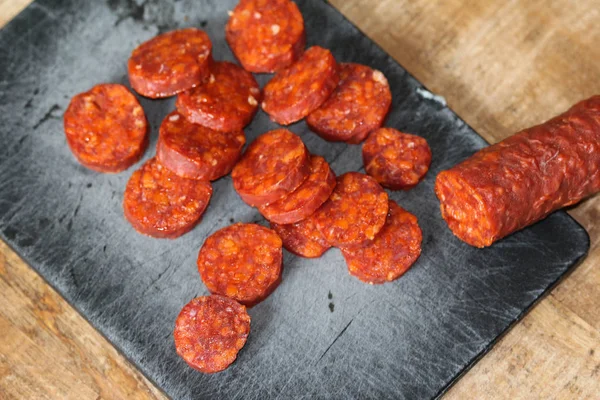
{"x":512,"y":184}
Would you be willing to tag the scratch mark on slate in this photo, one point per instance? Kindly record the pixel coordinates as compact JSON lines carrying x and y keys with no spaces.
{"x":49,"y":115}
{"x":157,"y":278}
{"x":130,"y":10}
{"x":76,"y":211}
{"x":335,"y":340}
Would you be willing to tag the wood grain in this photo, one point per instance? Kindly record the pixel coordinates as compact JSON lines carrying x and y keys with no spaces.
{"x":49,"y":351}
{"x":502,"y":66}
{"x":10,"y":8}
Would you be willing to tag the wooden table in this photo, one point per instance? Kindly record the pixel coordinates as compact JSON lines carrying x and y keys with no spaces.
{"x":502,"y":66}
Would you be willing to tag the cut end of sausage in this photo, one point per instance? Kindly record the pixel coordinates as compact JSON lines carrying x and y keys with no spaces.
{"x":464,"y":210}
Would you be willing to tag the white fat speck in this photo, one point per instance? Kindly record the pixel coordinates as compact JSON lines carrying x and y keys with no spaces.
{"x":263,"y":105}
{"x":378,"y":76}
{"x":410,"y":145}
{"x":138,"y":66}
{"x":211,"y":79}
{"x":210,"y":116}
{"x":426,"y":94}
{"x":254,"y":90}
{"x":275,"y":29}
{"x":229,"y":12}
{"x":257,"y":15}
{"x":174,"y":117}
{"x":252,"y":101}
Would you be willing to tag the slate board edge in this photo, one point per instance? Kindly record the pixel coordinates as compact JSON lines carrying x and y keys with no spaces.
{"x":81,"y":314}
{"x":522,"y":315}
{"x":578,"y":260}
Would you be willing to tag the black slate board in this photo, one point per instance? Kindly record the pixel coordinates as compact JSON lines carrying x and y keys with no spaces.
{"x":322,"y":334}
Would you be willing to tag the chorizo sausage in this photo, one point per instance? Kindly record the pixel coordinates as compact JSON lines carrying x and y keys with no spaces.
{"x":210,"y":331}
{"x":512,"y":184}
{"x":395,"y":248}
{"x":266,"y":35}
{"x":170,"y":63}
{"x":302,"y":238}
{"x":305,"y":200}
{"x":226,"y":102}
{"x":160,"y":204}
{"x":298,"y":90}
{"x":357,"y":106}
{"x":396,"y":160}
{"x":355,"y":212}
{"x":106,"y":128}
{"x":241,"y":261}
{"x":273,"y":166}
{"x":196,"y":152}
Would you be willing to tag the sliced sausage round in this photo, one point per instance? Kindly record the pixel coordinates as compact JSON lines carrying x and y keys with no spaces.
{"x":170,"y":63}
{"x":355,"y":212}
{"x":266,"y":36}
{"x":302,"y":238}
{"x":273,"y":166}
{"x":226,"y":101}
{"x":160,"y":204}
{"x":396,"y":160}
{"x":196,"y":152}
{"x":241,"y":261}
{"x":106,"y":128}
{"x":357,"y":106}
{"x":210,"y":331}
{"x":305,"y":200}
{"x":395,"y":248}
{"x":298,"y":90}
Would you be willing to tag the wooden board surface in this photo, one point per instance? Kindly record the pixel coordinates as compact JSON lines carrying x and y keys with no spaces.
{"x":501,"y":67}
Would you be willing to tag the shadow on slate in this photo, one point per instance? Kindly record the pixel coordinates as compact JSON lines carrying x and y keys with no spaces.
{"x":322,"y":334}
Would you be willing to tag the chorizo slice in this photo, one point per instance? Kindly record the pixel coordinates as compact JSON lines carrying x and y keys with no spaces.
{"x":106,"y":128}
{"x":241,"y":261}
{"x":302,"y":238}
{"x":393,"y":251}
{"x":298,"y":90}
{"x":197,"y":152}
{"x":273,"y":166}
{"x":358,"y":105}
{"x":266,"y":36}
{"x":520,"y":180}
{"x":305,"y":200}
{"x":160,"y":204}
{"x":210,"y":331}
{"x":396,"y":160}
{"x":355,"y":212}
{"x":170,"y":63}
{"x":226,"y":101}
